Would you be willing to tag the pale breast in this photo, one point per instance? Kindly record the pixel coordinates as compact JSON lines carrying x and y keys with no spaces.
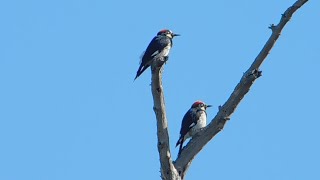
{"x":166,"y":51}
{"x":201,"y":123}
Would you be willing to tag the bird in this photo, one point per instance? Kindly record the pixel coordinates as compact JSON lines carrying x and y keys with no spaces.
{"x":193,"y":121}
{"x":158,"y":49}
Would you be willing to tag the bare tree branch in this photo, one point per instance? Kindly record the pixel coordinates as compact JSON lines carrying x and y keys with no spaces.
{"x":276,"y":31}
{"x":216,"y":125}
{"x":168,"y":171}
{"x":178,"y":169}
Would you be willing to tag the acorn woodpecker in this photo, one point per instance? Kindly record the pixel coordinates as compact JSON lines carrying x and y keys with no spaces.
{"x":158,"y":49}
{"x":192,"y":122}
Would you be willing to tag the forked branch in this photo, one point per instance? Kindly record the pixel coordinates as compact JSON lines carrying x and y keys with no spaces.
{"x":177,"y":170}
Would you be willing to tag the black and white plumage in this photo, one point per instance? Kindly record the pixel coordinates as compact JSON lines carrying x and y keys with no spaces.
{"x":158,"y":48}
{"x":192,"y":122}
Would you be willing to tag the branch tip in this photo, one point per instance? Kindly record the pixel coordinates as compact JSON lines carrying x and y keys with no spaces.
{"x":272,"y":27}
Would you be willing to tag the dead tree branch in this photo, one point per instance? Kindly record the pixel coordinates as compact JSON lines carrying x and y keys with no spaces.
{"x":177,"y":170}
{"x":197,"y":143}
{"x":168,"y":171}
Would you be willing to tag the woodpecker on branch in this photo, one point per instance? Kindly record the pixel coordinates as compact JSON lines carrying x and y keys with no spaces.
{"x":158,"y":49}
{"x":192,"y":122}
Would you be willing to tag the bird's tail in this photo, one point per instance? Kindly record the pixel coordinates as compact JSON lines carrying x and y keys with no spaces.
{"x":140,"y":71}
{"x":180,"y":141}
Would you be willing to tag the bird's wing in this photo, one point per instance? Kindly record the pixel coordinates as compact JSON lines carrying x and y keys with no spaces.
{"x":146,"y":56}
{"x":188,"y":122}
{"x":156,"y":45}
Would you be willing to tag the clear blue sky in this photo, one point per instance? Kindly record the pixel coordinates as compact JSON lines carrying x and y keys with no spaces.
{"x":69,"y":109}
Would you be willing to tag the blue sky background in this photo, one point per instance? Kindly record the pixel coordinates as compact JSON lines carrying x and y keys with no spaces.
{"x":69,"y":108}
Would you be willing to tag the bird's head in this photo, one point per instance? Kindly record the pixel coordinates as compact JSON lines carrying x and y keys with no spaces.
{"x":168,"y":33}
{"x":199,"y":105}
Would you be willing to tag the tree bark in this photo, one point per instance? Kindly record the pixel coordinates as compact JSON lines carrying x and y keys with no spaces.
{"x":168,"y":171}
{"x":176,"y":170}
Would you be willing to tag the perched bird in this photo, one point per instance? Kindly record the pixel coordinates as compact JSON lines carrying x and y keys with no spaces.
{"x":192,"y":122}
{"x":158,"y":48}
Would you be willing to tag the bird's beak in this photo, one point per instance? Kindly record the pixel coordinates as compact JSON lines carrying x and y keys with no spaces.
{"x":173,"y":35}
{"x":209,"y":106}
